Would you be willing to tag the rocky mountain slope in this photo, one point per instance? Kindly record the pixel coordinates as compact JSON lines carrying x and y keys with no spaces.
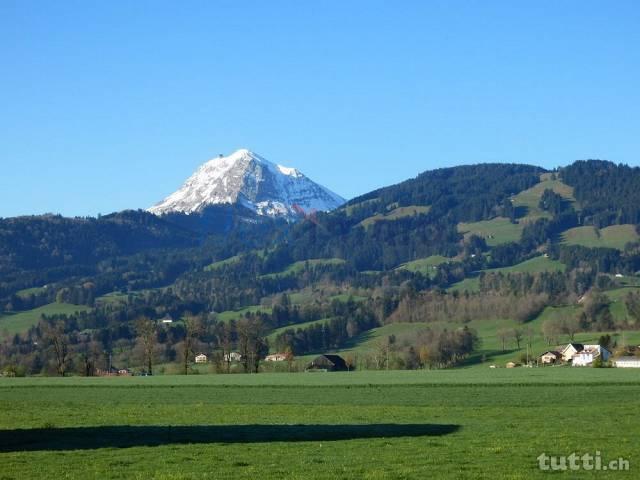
{"x":245,"y":178}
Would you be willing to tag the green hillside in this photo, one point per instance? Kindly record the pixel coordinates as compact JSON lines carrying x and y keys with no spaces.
{"x":22,"y":321}
{"x":530,"y":199}
{"x":534,"y":265}
{"x":394,"y":214}
{"x":298,"y":267}
{"x":615,"y":236}
{"x":222,"y":263}
{"x":426,"y":266}
{"x":495,"y":231}
{"x":236,"y":314}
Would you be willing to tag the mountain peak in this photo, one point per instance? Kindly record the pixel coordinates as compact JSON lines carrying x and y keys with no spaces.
{"x":246,"y":178}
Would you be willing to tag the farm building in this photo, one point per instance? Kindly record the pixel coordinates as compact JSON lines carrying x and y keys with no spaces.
{"x":550,"y":357}
{"x":627,"y":362}
{"x":570,"y":350}
{"x":328,"y":363}
{"x":232,"y":357}
{"x":588,"y":354}
{"x":113,"y":372}
{"x":276,"y":357}
{"x":201,"y":358}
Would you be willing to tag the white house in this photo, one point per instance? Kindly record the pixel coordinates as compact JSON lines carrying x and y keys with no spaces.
{"x":232,"y":357}
{"x":589,"y":354}
{"x":570,"y":350}
{"x":275,"y":357}
{"x":201,"y":358}
{"x":627,"y":362}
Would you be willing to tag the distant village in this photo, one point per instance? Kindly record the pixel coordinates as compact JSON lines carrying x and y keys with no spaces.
{"x":573,"y":354}
{"x":582,"y":355}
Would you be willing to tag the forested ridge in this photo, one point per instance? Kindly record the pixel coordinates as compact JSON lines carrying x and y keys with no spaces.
{"x":362,"y":266}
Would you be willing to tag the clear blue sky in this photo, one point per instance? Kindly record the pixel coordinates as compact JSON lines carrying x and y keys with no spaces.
{"x":111,"y":105}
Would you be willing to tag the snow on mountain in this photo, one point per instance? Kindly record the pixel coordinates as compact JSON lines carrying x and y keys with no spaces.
{"x":250,"y":180}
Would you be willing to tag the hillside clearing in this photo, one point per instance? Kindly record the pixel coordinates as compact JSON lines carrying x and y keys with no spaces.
{"x":426,"y":266}
{"x":615,"y":236}
{"x":21,"y":322}
{"x":495,"y":232}
{"x":529,"y":200}
{"x":298,"y":267}
{"x":395,"y":214}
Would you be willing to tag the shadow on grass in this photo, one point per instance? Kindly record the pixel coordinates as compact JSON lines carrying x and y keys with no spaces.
{"x":85,"y":438}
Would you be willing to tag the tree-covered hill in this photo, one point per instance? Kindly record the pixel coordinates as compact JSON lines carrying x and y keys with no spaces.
{"x":511,"y":241}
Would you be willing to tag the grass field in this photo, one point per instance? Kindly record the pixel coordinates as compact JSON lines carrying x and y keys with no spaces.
{"x":495,"y":231}
{"x":533,"y":265}
{"x":22,"y":321}
{"x":217,"y":265}
{"x":395,"y":214}
{"x":529,"y":200}
{"x":615,"y":236}
{"x":274,"y":333}
{"x":426,"y":266}
{"x":298,"y":267}
{"x":235,"y":314}
{"x":462,"y":424}
{"x":30,"y":291}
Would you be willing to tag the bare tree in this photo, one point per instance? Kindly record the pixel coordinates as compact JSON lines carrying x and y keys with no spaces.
{"x":56,"y":337}
{"x":192,"y":329}
{"x":517,"y":336}
{"x":225,"y":339}
{"x":570,"y":326}
{"x":147,"y":333}
{"x":550,"y":329}
{"x":503,"y":335}
{"x":252,"y":343}
{"x":288,"y":355}
{"x":89,"y":354}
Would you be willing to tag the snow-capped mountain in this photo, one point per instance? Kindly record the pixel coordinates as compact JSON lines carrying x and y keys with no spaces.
{"x":250,"y":180}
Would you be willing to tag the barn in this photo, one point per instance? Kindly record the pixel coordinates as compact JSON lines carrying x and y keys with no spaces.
{"x":327,"y":363}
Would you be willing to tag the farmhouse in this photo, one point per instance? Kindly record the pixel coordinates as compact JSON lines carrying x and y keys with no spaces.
{"x":550,"y":357}
{"x":327,"y":363}
{"x":201,"y":358}
{"x":589,"y":354}
{"x":275,"y":357}
{"x":232,"y":357}
{"x":570,"y":350}
{"x":627,"y":362}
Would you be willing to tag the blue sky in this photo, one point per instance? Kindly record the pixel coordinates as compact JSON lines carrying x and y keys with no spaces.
{"x":111,"y":105}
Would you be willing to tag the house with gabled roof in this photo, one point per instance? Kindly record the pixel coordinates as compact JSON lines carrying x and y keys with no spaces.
{"x":550,"y":357}
{"x":570,"y":350}
{"x":590,"y":353}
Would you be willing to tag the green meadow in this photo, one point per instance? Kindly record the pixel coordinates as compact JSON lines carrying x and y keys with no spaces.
{"x":496,"y":231}
{"x":458,"y":424}
{"x":20,"y":322}
{"x":615,"y":236}
{"x":395,"y":214}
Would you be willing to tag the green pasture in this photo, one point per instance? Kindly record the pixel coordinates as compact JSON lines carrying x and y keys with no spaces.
{"x":455,"y":424}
